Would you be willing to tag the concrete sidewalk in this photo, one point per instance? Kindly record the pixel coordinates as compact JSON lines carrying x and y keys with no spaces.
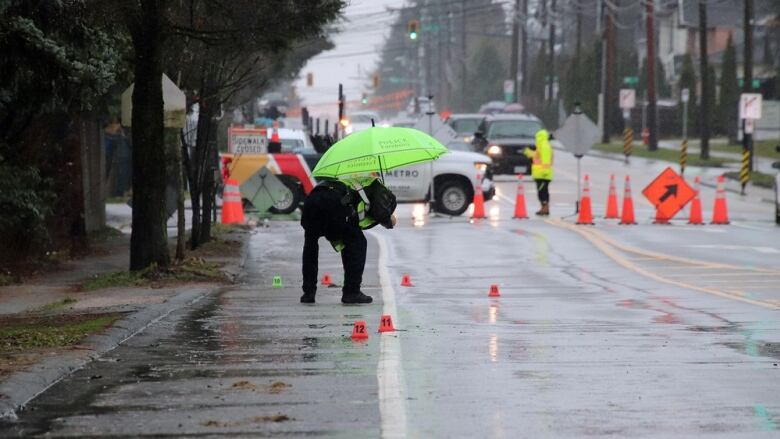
{"x":57,"y":292}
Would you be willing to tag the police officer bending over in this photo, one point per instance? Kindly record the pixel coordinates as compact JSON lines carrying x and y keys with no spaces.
{"x":340,"y":211}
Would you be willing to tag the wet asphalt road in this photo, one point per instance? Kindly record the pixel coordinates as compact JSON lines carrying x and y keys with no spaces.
{"x":606,"y":331}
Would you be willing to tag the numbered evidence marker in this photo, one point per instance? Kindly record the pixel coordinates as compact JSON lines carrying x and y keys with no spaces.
{"x":386,"y":323}
{"x":277,"y":282}
{"x":359,"y":331}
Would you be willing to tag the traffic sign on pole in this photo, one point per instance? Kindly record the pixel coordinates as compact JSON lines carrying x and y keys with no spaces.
{"x":509,"y":90}
{"x":627,"y":98}
{"x":750,"y":106}
{"x":668,"y":193}
{"x":578,"y":134}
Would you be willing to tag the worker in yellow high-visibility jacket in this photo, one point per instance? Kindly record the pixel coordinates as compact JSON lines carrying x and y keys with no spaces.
{"x":541,"y":168}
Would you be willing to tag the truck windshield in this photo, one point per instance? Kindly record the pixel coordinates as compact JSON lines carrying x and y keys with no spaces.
{"x":513,"y":128}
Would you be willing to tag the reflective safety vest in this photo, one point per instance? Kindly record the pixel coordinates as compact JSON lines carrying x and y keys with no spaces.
{"x":542,"y":157}
{"x":365,"y":221}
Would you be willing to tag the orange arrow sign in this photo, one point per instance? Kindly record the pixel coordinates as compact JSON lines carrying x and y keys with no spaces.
{"x":669,"y":193}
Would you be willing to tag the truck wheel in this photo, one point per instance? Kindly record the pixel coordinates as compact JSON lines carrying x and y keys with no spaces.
{"x":292,"y":197}
{"x":453,"y":197}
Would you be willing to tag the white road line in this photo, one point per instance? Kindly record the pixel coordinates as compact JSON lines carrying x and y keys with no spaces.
{"x":389,"y":372}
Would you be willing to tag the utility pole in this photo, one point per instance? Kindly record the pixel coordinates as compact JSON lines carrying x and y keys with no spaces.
{"x":524,"y":52}
{"x":551,"y":63}
{"x":439,"y":56}
{"x":426,"y":47}
{"x":608,"y":65}
{"x":705,"y":97}
{"x":341,"y":113}
{"x":578,"y":47}
{"x":515,"y":47}
{"x":652,"y":123}
{"x":747,"y":86}
{"x":463,"y":53}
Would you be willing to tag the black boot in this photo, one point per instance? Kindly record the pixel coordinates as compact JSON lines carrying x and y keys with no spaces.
{"x":307,"y":298}
{"x":355,"y":298}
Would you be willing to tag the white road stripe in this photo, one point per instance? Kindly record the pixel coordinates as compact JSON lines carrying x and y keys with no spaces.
{"x":389,"y":372}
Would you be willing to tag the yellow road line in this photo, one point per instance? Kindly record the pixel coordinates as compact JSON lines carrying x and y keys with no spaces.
{"x":662,"y":256}
{"x":604,"y":246}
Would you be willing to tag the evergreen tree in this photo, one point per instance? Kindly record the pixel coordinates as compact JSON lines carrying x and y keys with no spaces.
{"x":728,"y":113}
{"x":582,"y":81}
{"x":662,"y":88}
{"x":688,"y":80}
{"x":537,"y":85}
{"x":485,"y":79}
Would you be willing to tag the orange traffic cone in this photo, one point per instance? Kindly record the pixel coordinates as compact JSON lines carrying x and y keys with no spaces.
{"x":494,"y":291}
{"x":696,"y":217}
{"x":386,"y":323}
{"x":586,"y":216}
{"x":232,"y":210}
{"x":479,"y":201}
{"x":660,"y":218}
{"x":275,"y":135}
{"x":359,"y":331}
{"x":406,"y":281}
{"x":520,"y":212}
{"x":326,"y":280}
{"x":720,"y":213}
{"x":627,"y":218}
{"x":612,"y":203}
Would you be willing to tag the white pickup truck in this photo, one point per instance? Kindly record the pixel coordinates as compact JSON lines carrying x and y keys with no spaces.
{"x":455,"y":178}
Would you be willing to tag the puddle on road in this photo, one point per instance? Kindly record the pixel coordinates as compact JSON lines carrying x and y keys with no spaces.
{"x":755,"y":348}
{"x":767,"y":424}
{"x":665,"y":316}
{"x":493,"y":348}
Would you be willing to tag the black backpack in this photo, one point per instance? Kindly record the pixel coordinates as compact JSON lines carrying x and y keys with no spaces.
{"x":382,"y":203}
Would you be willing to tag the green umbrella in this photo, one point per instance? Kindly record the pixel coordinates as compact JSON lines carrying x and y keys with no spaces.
{"x":378,"y":149}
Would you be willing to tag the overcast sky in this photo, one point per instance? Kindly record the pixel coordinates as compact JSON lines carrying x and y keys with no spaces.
{"x":351,"y":62}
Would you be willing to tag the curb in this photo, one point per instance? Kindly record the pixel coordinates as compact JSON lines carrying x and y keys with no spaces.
{"x":21,"y":387}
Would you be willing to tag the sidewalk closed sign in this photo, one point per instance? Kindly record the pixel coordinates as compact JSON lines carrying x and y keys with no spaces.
{"x":242,"y":140}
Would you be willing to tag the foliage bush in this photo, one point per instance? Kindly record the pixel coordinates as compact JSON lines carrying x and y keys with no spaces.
{"x":25,"y":202}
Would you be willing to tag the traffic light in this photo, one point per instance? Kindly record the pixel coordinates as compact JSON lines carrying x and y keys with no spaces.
{"x":309,"y":79}
{"x":375,"y":80}
{"x":364,"y":99}
{"x":413,"y":29}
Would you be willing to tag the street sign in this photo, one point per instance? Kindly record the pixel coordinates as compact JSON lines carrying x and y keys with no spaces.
{"x":749,"y":126}
{"x":750,"y":106}
{"x":685,"y":95}
{"x":509,"y":86}
{"x":509,"y":90}
{"x":578,"y":134}
{"x":631,"y":80}
{"x":668,"y":193}
{"x":627,"y":98}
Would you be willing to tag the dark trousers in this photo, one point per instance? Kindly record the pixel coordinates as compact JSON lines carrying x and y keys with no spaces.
{"x":543,"y":190}
{"x":324,"y":216}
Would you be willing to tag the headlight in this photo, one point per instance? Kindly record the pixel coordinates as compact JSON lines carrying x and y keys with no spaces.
{"x":348,"y":129}
{"x":468,"y":139}
{"x":481,"y":167}
{"x":494,"y":150}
